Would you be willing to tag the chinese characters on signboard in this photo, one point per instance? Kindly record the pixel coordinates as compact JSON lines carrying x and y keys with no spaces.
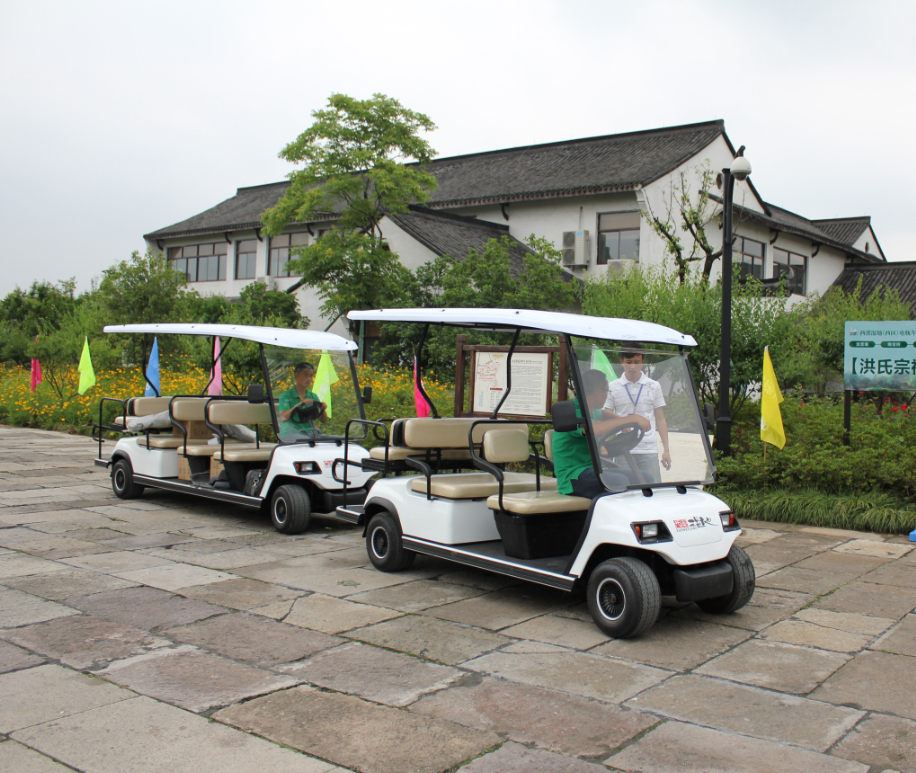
{"x":880,"y":356}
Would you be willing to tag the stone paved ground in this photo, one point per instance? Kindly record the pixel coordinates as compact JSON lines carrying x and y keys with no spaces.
{"x":170,"y":634}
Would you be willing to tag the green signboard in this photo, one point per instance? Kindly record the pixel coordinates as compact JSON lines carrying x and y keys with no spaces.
{"x":880,"y":356}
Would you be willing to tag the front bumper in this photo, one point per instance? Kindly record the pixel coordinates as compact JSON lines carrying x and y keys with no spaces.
{"x":708,"y":581}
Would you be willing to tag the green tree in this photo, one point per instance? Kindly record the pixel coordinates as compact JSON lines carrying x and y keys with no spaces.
{"x":24,"y":314}
{"x":354,"y":172}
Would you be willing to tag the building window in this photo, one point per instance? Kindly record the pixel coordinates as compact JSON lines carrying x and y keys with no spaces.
{"x":246,"y":259}
{"x":279,"y":251}
{"x":749,"y":254}
{"x":793,"y":267}
{"x":618,"y":237}
{"x":201,"y":262}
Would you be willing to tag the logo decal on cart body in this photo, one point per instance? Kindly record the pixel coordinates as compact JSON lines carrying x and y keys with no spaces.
{"x":689,"y":524}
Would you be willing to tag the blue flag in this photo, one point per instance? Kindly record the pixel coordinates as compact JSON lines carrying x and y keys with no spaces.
{"x":152,"y":372}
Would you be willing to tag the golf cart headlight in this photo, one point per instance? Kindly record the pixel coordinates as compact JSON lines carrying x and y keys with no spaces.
{"x":650,"y":531}
{"x":729,"y":522}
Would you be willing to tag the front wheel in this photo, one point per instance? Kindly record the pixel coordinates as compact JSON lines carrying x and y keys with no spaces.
{"x":623,"y":597}
{"x":383,"y":543}
{"x":122,"y":481}
{"x":743,"y":582}
{"x":291,"y":510}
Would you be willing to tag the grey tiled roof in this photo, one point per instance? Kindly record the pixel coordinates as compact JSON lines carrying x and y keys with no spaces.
{"x":844,"y":229}
{"x":895,"y":276}
{"x":575,"y":167}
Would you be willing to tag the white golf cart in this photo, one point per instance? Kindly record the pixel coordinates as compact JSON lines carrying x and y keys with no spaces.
{"x":642,"y":538}
{"x":205,"y":446}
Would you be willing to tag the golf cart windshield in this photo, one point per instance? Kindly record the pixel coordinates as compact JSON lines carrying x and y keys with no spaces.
{"x":314,"y":393}
{"x":655,"y":385}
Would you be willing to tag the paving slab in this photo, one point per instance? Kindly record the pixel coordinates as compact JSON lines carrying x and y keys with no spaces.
{"x":501,"y":609}
{"x":276,"y":611}
{"x":193,"y":680}
{"x":18,"y":608}
{"x":899,"y":573}
{"x":534,"y":716}
{"x":803,"y":580}
{"x":674,"y":747}
{"x":145,"y":608}
{"x":515,"y":758}
{"x":419,"y":595}
{"x":749,"y":710}
{"x":901,"y":640}
{"x":882,"y":742}
{"x":14,"y":536}
{"x":839,"y":562}
{"x":877,"y":681}
{"x":429,"y":638}
{"x":775,"y":666}
{"x":84,"y":643}
{"x":53,"y":692}
{"x":174,"y":576}
{"x":675,"y":643}
{"x":254,"y":639}
{"x":20,"y":759}
{"x":15,"y":659}
{"x":333,"y":615}
{"x":573,"y":672}
{"x":750,"y":617}
{"x":163,"y":539}
{"x":162,"y":738}
{"x":340,"y":583}
{"x":58,"y":586}
{"x":866,"y":598}
{"x":563,"y":631}
{"x":845,"y":621}
{"x":812,"y":635}
{"x":21,"y":565}
{"x":117,"y":561}
{"x":373,"y":674}
{"x":388,"y":739}
{"x":52,"y":547}
{"x":226,"y":559}
{"x":478,"y":578}
{"x":867,"y":547}
{"x":239,"y":593}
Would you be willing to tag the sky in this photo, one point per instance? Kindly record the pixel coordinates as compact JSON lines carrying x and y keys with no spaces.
{"x":117,"y":119}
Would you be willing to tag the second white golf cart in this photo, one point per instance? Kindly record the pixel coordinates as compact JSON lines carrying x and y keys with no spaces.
{"x":212,"y":447}
{"x":648,"y":534}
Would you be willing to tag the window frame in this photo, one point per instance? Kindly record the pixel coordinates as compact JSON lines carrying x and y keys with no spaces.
{"x":273,"y":260}
{"x":804,"y":269}
{"x":181,"y":261}
{"x":600,"y":260}
{"x":739,"y":251}
{"x":239,"y":253}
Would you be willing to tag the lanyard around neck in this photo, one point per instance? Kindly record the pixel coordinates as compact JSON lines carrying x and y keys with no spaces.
{"x":638,"y":394}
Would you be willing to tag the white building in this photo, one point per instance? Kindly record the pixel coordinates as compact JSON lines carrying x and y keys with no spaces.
{"x":586,"y":196}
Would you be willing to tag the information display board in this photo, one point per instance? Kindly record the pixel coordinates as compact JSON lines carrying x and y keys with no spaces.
{"x":880,"y":356}
{"x":530,"y":383}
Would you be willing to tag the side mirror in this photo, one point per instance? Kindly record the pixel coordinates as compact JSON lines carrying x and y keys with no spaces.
{"x":564,"y":416}
{"x":256,"y":393}
{"x":367,"y":395}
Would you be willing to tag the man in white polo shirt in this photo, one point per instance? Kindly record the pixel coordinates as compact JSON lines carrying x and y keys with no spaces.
{"x":636,"y":393}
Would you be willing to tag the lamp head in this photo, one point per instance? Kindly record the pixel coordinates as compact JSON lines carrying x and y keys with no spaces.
{"x":741,"y":167}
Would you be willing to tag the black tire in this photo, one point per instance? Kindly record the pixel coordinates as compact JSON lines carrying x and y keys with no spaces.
{"x":122,"y":480}
{"x":742,"y":588}
{"x":623,"y":597}
{"x":291,"y":510}
{"x":384,"y":546}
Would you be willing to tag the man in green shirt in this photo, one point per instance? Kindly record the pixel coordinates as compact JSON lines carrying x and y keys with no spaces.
{"x":572,"y":458}
{"x":300,"y":395}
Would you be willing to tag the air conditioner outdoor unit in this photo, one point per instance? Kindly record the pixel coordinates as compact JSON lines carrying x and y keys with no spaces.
{"x":575,"y":248}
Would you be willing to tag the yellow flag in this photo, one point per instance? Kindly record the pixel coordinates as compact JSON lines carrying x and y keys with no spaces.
{"x":87,"y":374}
{"x":325,"y":378}
{"x":771,"y":430}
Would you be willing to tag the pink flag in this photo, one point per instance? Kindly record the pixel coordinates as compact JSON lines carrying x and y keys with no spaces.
{"x":216,"y":379}
{"x":419,"y":400}
{"x":36,"y":371}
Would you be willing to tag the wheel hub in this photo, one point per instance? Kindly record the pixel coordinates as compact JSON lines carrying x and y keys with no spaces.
{"x":380,"y":543}
{"x":611,"y":599}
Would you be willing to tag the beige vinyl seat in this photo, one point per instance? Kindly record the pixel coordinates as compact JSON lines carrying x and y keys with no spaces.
{"x":238,"y":412}
{"x":142,"y":406}
{"x":538,"y":502}
{"x":443,"y":439}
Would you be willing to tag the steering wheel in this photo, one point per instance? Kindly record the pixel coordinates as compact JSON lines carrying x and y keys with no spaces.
{"x":303,"y":414}
{"x":619,"y":441}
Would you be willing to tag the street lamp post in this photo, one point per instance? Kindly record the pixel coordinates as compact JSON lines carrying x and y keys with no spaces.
{"x":740,"y":170}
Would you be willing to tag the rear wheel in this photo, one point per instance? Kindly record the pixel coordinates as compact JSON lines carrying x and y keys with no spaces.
{"x":291,"y":510}
{"x":744,"y":580}
{"x":623,"y":597}
{"x":384,"y":545}
{"x":122,"y":480}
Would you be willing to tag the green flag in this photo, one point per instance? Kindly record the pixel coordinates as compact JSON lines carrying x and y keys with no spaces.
{"x":87,"y":374}
{"x":601,"y":362}
{"x":325,"y":378}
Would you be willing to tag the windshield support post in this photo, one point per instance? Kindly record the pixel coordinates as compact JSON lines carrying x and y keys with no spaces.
{"x":419,"y":384}
{"x":351,"y":358}
{"x":265,"y":372}
{"x":505,"y":396}
{"x":581,"y":398}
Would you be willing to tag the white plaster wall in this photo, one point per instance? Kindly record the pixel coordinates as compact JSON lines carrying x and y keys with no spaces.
{"x":409,"y":250}
{"x":869,"y":240}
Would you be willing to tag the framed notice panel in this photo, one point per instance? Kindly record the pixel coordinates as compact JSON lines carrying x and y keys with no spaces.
{"x":880,"y":356}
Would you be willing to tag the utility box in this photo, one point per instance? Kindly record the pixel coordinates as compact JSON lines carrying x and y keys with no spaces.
{"x":575,"y":248}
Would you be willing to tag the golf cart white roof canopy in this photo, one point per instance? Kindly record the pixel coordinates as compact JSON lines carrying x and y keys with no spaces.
{"x":607,"y":328}
{"x":274,"y":336}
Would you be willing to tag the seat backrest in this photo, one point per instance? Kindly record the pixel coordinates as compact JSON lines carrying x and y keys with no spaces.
{"x":188,"y":408}
{"x":548,"y":444}
{"x":147,"y":406}
{"x":238,"y":412}
{"x":509,"y":444}
{"x":446,"y":433}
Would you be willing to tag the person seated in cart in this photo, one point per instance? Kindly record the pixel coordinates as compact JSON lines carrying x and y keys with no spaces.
{"x":572,"y":459}
{"x":638,"y":395}
{"x":300,"y":407}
